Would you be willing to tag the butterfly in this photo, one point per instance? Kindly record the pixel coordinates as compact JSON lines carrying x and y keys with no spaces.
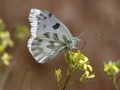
{"x":49,"y":36}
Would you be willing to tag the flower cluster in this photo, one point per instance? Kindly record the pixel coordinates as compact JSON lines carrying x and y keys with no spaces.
{"x":58,"y":74}
{"x":21,"y":32}
{"x":78,"y":61}
{"x":5,"y":41}
{"x":112,"y":68}
{"x":75,"y":61}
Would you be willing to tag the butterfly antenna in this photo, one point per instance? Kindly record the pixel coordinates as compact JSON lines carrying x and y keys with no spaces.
{"x":84,"y":43}
{"x":82,"y":34}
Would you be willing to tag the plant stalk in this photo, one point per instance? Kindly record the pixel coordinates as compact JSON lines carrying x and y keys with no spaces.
{"x":58,"y":85}
{"x":67,"y":80}
{"x":115,"y":83}
{"x":4,"y":76}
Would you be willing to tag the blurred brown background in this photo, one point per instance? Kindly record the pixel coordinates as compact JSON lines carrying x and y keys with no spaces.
{"x":95,"y":16}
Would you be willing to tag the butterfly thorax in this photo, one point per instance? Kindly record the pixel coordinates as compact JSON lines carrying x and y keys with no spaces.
{"x":72,"y":44}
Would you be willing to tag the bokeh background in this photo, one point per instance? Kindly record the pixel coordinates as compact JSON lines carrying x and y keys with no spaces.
{"x":99,"y":18}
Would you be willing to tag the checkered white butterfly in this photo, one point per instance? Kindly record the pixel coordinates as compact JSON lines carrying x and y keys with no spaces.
{"x":49,"y":36}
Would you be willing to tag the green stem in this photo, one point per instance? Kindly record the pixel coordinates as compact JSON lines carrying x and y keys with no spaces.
{"x":22,"y":80}
{"x":115,"y":83}
{"x":25,"y":74}
{"x":4,"y":76}
{"x":66,"y":83}
{"x":74,"y":82}
{"x":31,"y":82}
{"x":68,"y":77}
{"x":58,"y":85}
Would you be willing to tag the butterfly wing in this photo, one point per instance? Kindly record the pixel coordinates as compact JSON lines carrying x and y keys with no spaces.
{"x":48,"y":35}
{"x":47,"y":46}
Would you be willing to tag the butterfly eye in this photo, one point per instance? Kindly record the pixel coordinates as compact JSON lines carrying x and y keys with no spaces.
{"x":57,"y":25}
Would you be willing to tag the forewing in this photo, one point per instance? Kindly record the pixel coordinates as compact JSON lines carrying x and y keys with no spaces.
{"x":44,"y":21}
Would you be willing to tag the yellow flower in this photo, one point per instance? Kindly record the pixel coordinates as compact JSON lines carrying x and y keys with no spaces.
{"x":58,"y":74}
{"x":75,"y":55}
{"x":111,"y":68}
{"x":6,"y":58}
{"x":86,"y":76}
{"x":5,"y":41}
{"x":90,"y":67}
